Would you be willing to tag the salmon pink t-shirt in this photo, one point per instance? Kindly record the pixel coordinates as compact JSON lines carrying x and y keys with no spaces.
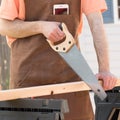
{"x":12,"y":9}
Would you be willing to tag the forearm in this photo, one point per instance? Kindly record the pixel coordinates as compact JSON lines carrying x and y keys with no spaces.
{"x":19,"y":28}
{"x":100,"y":41}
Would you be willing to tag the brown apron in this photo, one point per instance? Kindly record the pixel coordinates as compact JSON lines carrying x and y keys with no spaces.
{"x":34,"y":63}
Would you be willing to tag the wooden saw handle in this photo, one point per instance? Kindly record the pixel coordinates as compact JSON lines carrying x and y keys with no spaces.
{"x":66,"y":44}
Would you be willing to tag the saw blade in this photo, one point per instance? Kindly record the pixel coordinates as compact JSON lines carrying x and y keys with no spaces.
{"x":77,"y":62}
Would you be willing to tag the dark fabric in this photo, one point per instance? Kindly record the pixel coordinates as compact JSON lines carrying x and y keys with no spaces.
{"x":34,"y":63}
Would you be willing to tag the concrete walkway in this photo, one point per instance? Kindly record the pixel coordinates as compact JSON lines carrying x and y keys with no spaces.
{"x":87,"y":48}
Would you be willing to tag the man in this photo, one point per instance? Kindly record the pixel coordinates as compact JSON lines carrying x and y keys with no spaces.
{"x":28,"y":23}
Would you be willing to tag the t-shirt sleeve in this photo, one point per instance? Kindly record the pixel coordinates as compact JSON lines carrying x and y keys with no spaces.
{"x":90,"y":6}
{"x":11,"y":9}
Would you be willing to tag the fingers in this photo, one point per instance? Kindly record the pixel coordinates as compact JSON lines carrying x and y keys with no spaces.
{"x":109,"y":80}
{"x":52,"y":31}
{"x":109,"y":83}
{"x":56,"y":35}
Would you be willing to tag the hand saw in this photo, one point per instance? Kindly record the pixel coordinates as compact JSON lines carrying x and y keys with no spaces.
{"x":73,"y":57}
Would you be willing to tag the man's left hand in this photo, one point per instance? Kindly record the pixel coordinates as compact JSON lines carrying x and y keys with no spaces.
{"x":109,"y":80}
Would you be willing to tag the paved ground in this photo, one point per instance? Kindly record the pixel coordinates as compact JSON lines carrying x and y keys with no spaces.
{"x":113,"y":35}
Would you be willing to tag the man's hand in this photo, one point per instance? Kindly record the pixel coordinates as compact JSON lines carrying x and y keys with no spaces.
{"x":109,"y":80}
{"x":52,"y":31}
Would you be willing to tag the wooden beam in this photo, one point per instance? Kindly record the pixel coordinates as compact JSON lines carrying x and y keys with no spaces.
{"x":44,"y":90}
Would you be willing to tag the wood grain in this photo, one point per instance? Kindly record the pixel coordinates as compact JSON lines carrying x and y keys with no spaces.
{"x":44,"y":90}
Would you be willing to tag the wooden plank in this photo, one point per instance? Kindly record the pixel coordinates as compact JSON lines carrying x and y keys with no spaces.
{"x":111,"y":117}
{"x":44,"y":90}
{"x":111,"y":114}
{"x":119,"y":116}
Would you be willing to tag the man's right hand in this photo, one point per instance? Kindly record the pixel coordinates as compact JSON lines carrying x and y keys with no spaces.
{"x":52,"y":31}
